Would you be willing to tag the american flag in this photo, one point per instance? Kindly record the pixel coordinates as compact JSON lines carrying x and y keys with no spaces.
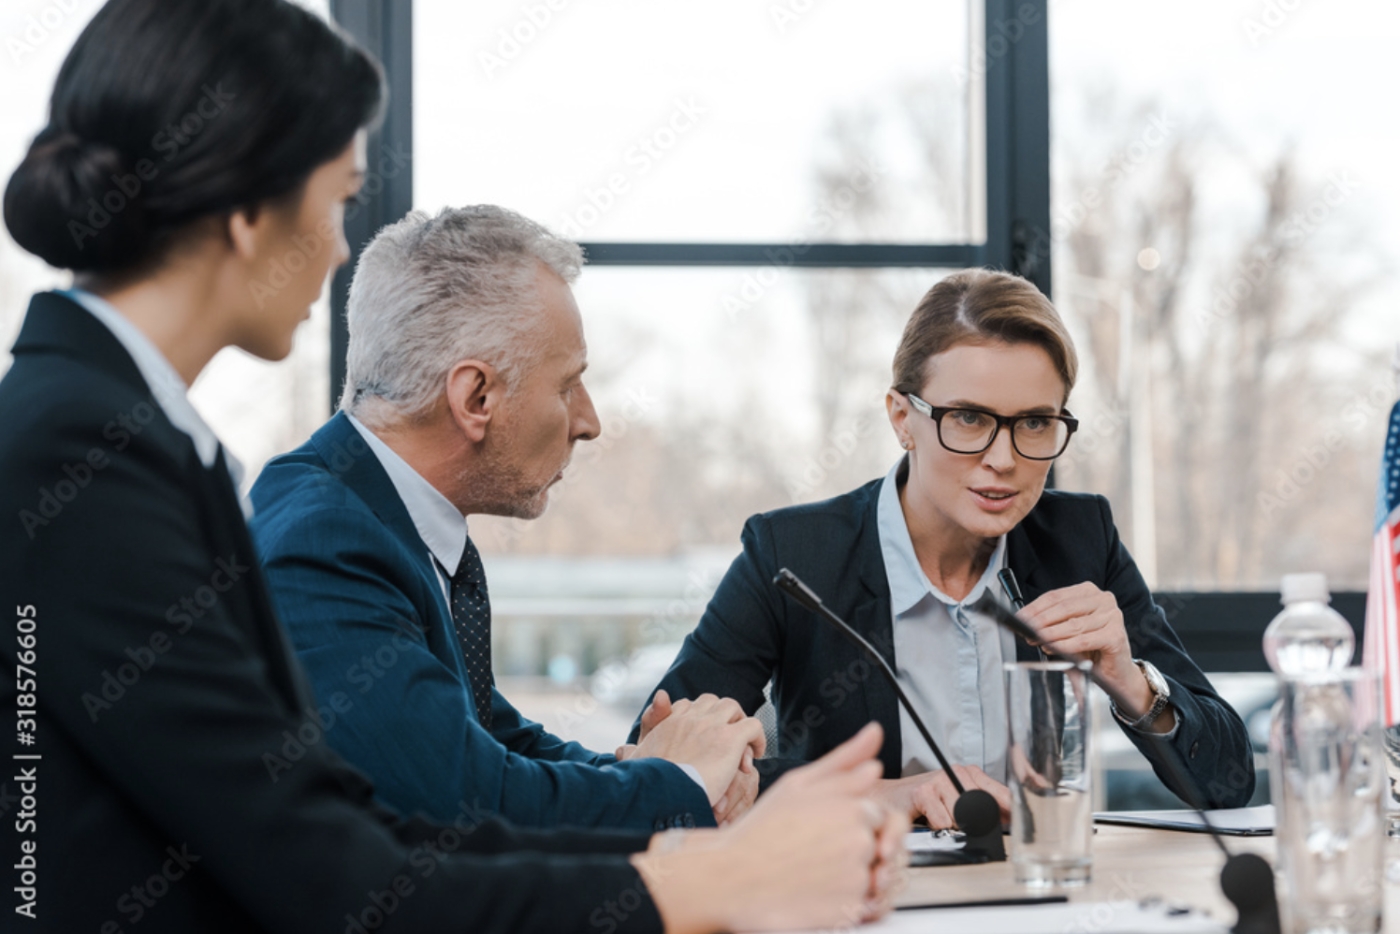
{"x":1382,"y":647}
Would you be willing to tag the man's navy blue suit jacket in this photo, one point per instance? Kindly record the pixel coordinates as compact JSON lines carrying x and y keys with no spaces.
{"x":356,"y":587}
{"x":825,"y":690}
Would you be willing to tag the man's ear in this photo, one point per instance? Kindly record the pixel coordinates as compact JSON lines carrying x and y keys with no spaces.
{"x":473,"y":392}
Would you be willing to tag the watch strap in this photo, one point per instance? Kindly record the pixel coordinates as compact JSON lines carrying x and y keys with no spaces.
{"x":1160,"y":699}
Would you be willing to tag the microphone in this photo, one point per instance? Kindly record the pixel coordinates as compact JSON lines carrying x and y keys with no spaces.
{"x":1012,"y":586}
{"x":1247,"y":879}
{"x":977,"y":813}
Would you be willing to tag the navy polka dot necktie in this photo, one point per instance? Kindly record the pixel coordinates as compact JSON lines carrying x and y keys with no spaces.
{"x":471,"y":617}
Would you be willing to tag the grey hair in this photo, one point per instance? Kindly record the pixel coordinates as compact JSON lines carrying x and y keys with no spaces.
{"x":431,"y":291}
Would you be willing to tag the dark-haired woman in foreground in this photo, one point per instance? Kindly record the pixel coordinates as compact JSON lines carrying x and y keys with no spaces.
{"x":182,"y":779}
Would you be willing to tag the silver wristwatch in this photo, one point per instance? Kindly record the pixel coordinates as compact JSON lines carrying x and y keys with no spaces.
{"x":1161,"y":691}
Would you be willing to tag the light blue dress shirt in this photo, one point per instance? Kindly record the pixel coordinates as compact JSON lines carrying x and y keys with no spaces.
{"x":947,"y":658}
{"x":440,"y":524}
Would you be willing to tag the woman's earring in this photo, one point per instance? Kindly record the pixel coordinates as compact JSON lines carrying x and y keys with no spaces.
{"x":908,"y":445}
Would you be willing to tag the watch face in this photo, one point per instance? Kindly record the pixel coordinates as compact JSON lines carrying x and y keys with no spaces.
{"x":1154,"y":679}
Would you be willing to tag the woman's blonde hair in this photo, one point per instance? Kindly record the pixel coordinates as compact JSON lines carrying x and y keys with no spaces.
{"x":976,"y":306}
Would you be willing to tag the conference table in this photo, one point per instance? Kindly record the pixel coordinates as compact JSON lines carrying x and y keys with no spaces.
{"x":1131,"y":864}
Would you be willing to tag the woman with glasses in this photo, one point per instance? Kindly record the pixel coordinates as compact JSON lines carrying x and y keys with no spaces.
{"x":981,"y":378}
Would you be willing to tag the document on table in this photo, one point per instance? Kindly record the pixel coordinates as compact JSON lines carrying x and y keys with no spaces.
{"x":1236,"y":822}
{"x":1099,"y":917}
{"x":924,"y":840}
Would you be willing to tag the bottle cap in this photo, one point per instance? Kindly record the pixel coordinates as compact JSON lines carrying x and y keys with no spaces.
{"x":1297,"y":587}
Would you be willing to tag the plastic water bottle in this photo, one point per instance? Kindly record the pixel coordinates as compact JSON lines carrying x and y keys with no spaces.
{"x":1308,"y":636}
{"x":1324,"y":768}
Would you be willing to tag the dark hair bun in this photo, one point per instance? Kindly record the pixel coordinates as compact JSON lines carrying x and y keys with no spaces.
{"x":76,"y":205}
{"x":167,"y":113}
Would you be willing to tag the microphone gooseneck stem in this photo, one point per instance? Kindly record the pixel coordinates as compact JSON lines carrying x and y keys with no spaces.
{"x":789,"y":584}
{"x":1007,"y":578}
{"x":1166,"y":753}
{"x":1246,"y":879}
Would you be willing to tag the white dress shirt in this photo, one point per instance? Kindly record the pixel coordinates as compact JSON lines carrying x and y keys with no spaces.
{"x":167,"y":386}
{"x":948,"y":659}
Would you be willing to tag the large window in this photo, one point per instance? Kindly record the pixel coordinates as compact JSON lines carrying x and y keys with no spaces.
{"x":622,"y":120}
{"x":1209,"y":249}
{"x":818,"y":163}
{"x":766,"y":189}
{"x":764,"y":192}
{"x":1223,"y":230}
{"x":1222,"y":225}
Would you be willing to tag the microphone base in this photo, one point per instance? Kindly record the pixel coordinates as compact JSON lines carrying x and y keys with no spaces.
{"x":1258,"y":922}
{"x":979,"y":816}
{"x":1247,"y":880}
{"x":989,"y":847}
{"x":947,"y":858}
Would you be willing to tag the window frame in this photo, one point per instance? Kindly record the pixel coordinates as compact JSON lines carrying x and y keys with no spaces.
{"x":1015,"y":118}
{"x":1221,"y":630}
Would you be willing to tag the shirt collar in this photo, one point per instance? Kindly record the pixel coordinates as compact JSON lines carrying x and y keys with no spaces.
{"x":908,"y":583}
{"x":440,"y":524}
{"x":168,"y":389}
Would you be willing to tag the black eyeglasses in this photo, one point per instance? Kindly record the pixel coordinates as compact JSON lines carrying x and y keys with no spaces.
{"x":972,"y":431}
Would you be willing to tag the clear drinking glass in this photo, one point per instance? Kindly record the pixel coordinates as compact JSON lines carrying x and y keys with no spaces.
{"x":1052,"y":822}
{"x":1327,"y":756}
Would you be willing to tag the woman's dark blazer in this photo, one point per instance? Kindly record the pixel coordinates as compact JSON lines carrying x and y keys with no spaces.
{"x":182,"y":781}
{"x":824,"y":689}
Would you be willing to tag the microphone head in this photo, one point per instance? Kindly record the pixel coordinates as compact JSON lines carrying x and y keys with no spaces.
{"x":977,"y":813}
{"x":792,"y":585}
{"x":1011,"y":586}
{"x":1248,"y":882}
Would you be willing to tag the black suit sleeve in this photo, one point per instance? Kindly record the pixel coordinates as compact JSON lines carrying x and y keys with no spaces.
{"x":735,"y":648}
{"x":164,"y":690}
{"x":1211,"y":741}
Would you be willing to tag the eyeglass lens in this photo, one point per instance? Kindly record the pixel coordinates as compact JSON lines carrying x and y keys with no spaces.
{"x":967,"y":431}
